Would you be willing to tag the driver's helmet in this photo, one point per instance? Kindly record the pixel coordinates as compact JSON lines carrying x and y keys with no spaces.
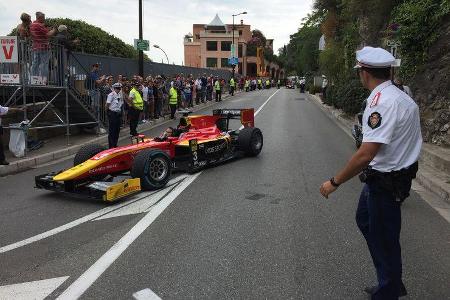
{"x":184,"y":123}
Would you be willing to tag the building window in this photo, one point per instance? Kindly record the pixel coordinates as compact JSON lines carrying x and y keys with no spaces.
{"x":240,"y":32}
{"x":211,"y":62}
{"x":211,"y":45}
{"x":225,"y":46}
{"x":224,"y":63}
{"x":240,"y":50}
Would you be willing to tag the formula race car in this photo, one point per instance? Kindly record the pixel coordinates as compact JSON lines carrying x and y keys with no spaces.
{"x":147,"y":163}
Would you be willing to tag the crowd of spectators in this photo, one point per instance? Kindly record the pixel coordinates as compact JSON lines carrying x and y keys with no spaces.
{"x":155,"y":90}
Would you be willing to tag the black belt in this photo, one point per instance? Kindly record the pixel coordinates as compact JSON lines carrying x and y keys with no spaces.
{"x":408,"y":171}
{"x":396,"y":182}
{"x":115,"y":112}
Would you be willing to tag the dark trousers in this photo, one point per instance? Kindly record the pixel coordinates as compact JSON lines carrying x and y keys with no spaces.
{"x":158,"y":107}
{"x":2,"y":154}
{"x":218,"y":95}
{"x":198,"y":96}
{"x":114,"y":121}
{"x":232,"y":90}
{"x":133,"y":115}
{"x":173,"y":109}
{"x":203,"y":93}
{"x":379,"y":218}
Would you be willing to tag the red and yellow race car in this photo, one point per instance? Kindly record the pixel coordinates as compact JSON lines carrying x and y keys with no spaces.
{"x":202,"y":141}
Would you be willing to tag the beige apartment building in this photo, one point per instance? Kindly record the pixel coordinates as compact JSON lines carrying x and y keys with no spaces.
{"x":209,"y":46}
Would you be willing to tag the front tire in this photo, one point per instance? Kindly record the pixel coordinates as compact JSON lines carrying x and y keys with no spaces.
{"x":153,"y":167}
{"x":87,"y":152}
{"x":250,"y":141}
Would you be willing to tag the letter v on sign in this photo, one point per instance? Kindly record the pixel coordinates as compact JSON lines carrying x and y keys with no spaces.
{"x":8,"y":55}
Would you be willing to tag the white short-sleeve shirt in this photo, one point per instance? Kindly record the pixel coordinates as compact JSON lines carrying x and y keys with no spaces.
{"x":392,"y":118}
{"x":115,"y":101}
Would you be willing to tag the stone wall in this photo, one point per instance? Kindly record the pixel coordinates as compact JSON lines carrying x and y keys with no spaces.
{"x":431,"y":88}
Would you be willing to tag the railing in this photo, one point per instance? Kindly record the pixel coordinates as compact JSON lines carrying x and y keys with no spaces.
{"x":51,"y":67}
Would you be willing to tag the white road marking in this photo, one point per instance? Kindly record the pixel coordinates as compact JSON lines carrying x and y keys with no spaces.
{"x":146,"y":294}
{"x":145,"y":197}
{"x":39,"y":289}
{"x":264,"y":104}
{"x":79,"y":286}
{"x":261,"y":107}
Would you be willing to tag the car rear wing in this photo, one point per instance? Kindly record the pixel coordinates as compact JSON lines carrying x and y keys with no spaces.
{"x":246,"y":115}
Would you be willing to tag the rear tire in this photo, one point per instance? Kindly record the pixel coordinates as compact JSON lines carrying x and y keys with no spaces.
{"x":87,"y":152}
{"x":250,"y":141}
{"x":153,"y":167}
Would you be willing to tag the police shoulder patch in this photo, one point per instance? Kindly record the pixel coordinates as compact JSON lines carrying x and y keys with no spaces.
{"x":374,"y":120}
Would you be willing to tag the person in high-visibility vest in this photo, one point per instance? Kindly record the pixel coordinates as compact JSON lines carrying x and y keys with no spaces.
{"x":259,"y":83}
{"x":267,"y":84}
{"x":173,"y":100}
{"x":247,"y":85}
{"x":278,"y":83}
{"x":232,"y":86}
{"x":136,"y":106}
{"x":218,"y":90}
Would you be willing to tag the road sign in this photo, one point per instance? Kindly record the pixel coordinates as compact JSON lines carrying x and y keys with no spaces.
{"x":141,"y":44}
{"x":233,"y":50}
{"x":233,"y":61}
{"x":8,"y":49}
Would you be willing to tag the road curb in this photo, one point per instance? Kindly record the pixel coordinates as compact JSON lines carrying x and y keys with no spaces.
{"x":29,"y":163}
{"x":432,"y":171}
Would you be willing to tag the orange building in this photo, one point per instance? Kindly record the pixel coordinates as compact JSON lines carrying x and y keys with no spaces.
{"x":209,"y":45}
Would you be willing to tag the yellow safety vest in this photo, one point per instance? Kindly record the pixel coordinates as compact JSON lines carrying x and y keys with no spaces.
{"x":138,"y":103}
{"x":247,"y":83}
{"x":217,"y":85}
{"x":173,"y":96}
{"x":259,"y":81}
{"x":267,"y":82}
{"x":232,"y":83}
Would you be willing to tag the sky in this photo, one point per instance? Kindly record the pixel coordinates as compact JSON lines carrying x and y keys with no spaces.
{"x":165,"y":22}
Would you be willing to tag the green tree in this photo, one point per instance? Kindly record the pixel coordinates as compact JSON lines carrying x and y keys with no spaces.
{"x":93,"y":40}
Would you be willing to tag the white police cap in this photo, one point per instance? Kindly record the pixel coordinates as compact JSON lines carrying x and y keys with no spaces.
{"x":371,"y":57}
{"x":117,"y":85}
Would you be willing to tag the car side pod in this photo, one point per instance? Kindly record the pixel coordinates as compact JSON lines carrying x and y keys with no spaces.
{"x":107,"y":191}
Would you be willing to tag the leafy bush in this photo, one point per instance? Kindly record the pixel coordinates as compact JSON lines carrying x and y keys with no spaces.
{"x":419,"y":22}
{"x":347,"y":94}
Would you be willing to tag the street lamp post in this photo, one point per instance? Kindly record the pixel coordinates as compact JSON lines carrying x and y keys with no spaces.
{"x":234,"y":66}
{"x":141,"y":53}
{"x":158,"y":47}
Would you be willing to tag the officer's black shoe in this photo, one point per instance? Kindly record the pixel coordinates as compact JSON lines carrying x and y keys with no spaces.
{"x":371,"y":290}
{"x":4,"y":163}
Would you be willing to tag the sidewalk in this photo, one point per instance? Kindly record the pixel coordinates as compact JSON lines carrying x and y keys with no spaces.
{"x":434,"y":162}
{"x":57,"y":148}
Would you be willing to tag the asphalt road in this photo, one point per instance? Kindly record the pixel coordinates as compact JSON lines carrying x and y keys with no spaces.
{"x":255,"y":228}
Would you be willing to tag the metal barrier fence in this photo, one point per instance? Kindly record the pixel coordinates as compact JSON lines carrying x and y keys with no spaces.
{"x":54,"y":68}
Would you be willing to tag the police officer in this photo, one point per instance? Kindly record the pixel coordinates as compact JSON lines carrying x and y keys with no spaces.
{"x":114,"y":104}
{"x":173,"y":100}
{"x":218,"y":90}
{"x":136,"y":106}
{"x":388,"y":158}
{"x":232,"y":86}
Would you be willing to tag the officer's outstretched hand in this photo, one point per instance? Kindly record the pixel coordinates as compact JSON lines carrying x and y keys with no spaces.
{"x":327,"y":188}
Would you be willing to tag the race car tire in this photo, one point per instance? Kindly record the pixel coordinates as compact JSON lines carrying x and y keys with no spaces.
{"x":153,"y":167}
{"x":250,"y":141}
{"x":87,"y":152}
